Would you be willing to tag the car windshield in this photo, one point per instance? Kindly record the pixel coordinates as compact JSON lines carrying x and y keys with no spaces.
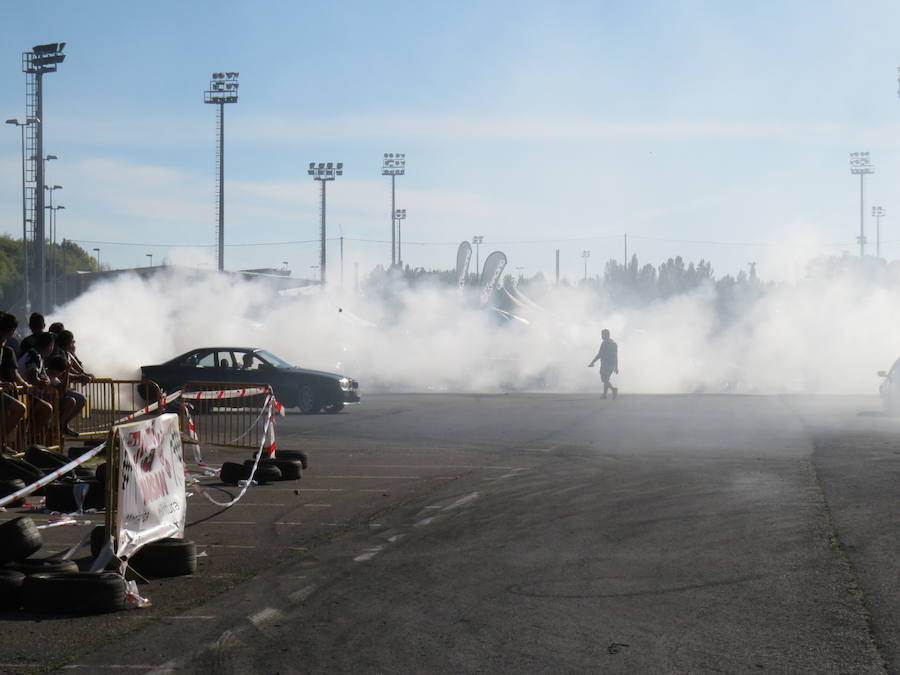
{"x":274,"y":360}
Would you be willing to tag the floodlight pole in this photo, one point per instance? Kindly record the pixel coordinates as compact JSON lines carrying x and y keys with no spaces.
{"x":25,"y":270}
{"x":585,"y":255}
{"x":878,"y":213}
{"x":41,"y":59}
{"x":223,"y":88}
{"x":394,"y":164}
{"x":860,"y":164}
{"x":324,"y":172}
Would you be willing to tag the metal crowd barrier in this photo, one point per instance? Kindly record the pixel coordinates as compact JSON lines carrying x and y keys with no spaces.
{"x":234,"y":422}
{"x":109,"y":402}
{"x":27,"y":432}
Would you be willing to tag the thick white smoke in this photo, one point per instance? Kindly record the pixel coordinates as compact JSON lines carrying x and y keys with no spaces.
{"x":827,"y":334}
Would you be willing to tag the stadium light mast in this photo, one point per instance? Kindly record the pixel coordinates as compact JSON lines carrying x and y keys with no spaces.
{"x":399,"y":214}
{"x":394,"y":164}
{"x":40,"y":60}
{"x":585,"y":255}
{"x":878,"y":213}
{"x":25,"y":270}
{"x":223,"y":88}
{"x":324,"y":172}
{"x":860,"y":164}
{"x":478,"y":240}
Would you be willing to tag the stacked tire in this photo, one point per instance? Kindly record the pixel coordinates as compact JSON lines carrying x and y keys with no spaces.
{"x":50,"y":585}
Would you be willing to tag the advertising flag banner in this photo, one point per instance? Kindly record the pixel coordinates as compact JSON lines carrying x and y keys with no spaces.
{"x":463,"y":257}
{"x":151,"y":496}
{"x":494,"y":265}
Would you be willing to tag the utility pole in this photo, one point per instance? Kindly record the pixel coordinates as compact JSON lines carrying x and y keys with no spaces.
{"x":585,"y":255}
{"x":557,"y":267}
{"x":626,"y":250}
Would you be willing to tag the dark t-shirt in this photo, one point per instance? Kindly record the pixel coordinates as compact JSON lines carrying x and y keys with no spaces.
{"x":27,"y":343}
{"x":609,"y":356}
{"x":7,"y":364}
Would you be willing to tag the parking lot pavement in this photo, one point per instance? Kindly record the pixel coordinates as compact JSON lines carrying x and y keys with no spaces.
{"x":347,"y":484}
{"x":650,"y":534}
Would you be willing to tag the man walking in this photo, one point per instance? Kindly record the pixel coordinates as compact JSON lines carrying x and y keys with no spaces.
{"x":608,"y":354}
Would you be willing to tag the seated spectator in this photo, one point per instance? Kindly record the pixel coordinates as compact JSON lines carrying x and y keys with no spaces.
{"x":13,"y":409}
{"x":32,"y":371}
{"x":75,"y":370}
{"x":71,"y":402}
{"x":36,"y":323}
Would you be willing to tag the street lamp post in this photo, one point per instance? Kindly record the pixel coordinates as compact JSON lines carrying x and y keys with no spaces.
{"x":585,"y":255}
{"x":22,"y":125}
{"x":223,"y":88}
{"x":97,"y":251}
{"x":399,"y":214}
{"x":324,"y":172}
{"x":477,"y":240}
{"x":315,"y":270}
{"x":878,"y":213}
{"x":54,"y":213}
{"x":51,"y":296}
{"x":394,"y":164}
{"x":860,"y":164}
{"x":150,"y":255}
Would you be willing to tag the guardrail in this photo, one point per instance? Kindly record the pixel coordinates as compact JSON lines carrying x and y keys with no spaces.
{"x":229,"y":414}
{"x":109,"y":402}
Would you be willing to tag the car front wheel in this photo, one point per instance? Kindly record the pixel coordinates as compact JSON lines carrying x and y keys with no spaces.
{"x":333,"y":408}
{"x":309,"y":400}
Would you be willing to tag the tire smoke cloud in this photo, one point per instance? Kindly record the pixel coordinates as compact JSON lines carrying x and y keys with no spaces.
{"x":826,"y":334}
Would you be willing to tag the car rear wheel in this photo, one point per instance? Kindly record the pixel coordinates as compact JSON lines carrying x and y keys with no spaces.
{"x":309,"y":400}
{"x":333,"y":408}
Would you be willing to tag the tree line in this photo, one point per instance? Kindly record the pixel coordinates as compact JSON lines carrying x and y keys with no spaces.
{"x":61,"y":259}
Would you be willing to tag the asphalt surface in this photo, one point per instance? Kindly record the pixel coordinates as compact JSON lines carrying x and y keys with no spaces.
{"x":530,"y":533}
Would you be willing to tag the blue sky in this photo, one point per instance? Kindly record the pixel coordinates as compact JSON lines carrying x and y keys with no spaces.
{"x":718,"y":130}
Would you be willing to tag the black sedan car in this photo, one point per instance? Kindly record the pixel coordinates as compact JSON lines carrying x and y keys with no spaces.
{"x":310,"y":390}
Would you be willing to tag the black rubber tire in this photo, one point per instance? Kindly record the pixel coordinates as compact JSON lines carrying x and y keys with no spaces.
{"x":98,"y":539}
{"x":74,"y":593}
{"x":293,"y":454}
{"x":232,"y":472}
{"x":60,"y":496}
{"x":333,"y":408}
{"x":171,"y":557}
{"x":44,"y":459}
{"x":308,"y":400}
{"x":52,"y":565}
{"x":19,"y":538}
{"x":7,"y":487}
{"x":291,"y":469}
{"x":265,"y":473}
{"x":11,"y":589}
{"x":12,"y":467}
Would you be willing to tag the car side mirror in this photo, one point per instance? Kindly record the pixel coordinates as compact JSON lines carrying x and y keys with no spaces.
{"x":881,"y":373}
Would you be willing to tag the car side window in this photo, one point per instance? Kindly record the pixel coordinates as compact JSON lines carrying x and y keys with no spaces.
{"x":208,"y":360}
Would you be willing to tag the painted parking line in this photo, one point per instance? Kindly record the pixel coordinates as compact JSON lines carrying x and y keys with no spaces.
{"x":368,"y":554}
{"x":302,"y":594}
{"x":264,"y":616}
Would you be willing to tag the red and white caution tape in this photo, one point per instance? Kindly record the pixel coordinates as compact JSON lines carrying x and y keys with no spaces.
{"x":150,"y":408}
{"x":267,"y":434}
{"x":52,"y":476}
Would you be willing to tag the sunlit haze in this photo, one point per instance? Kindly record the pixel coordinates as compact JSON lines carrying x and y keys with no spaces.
{"x":707,"y":130}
